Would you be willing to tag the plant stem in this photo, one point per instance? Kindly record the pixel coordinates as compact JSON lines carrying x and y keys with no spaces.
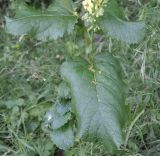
{"x":131,"y":126}
{"x":92,"y":40}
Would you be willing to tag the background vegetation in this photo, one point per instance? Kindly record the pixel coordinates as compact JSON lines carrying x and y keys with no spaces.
{"x":29,"y":76}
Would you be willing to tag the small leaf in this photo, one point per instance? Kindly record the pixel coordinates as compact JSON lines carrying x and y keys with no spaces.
{"x":98,"y":99}
{"x":113,"y":24}
{"x":43,"y":146}
{"x":59,"y":121}
{"x":63,"y":137}
{"x":14,"y":102}
{"x":114,"y":9}
{"x":40,"y":110}
{"x":58,"y":116}
{"x":153,"y":15}
{"x":64,"y":91}
{"x":56,"y":123}
{"x":58,"y":19}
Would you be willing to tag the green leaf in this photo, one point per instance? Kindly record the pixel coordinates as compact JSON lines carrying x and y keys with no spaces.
{"x":113,"y":24}
{"x":56,"y":123}
{"x":58,"y":19}
{"x":63,"y":137}
{"x":14,"y":102}
{"x":114,"y":9}
{"x":64,"y":91}
{"x":43,"y":146}
{"x":40,"y":110}
{"x":153,"y":15}
{"x":98,"y":99}
{"x":58,"y":116}
{"x":60,"y":121}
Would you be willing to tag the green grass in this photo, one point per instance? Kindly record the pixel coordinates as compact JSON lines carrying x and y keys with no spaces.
{"x":29,"y":76}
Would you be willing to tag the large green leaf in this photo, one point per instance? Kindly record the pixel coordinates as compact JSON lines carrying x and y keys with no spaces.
{"x":58,"y":19}
{"x":113,"y":24}
{"x":98,"y":99}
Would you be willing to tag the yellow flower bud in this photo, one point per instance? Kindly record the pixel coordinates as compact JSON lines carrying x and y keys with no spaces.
{"x":88,"y":5}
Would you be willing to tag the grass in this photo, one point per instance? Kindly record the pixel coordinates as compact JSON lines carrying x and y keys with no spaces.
{"x":29,"y":75}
